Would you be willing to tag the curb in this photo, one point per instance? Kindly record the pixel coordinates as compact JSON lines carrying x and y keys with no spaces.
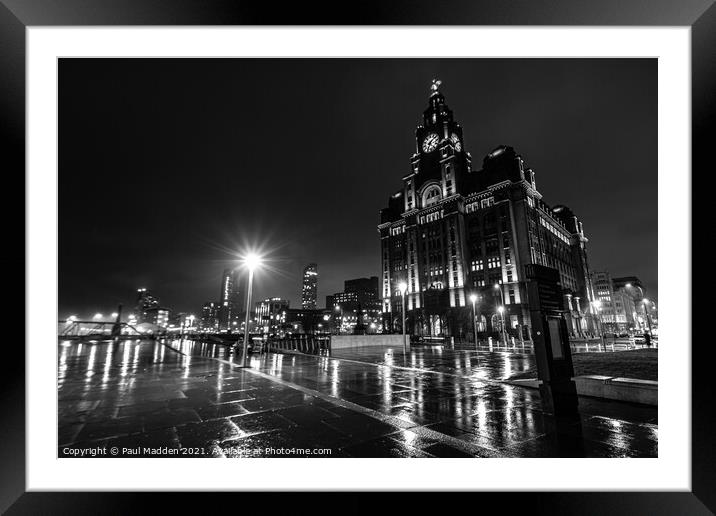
{"x":631,"y":390}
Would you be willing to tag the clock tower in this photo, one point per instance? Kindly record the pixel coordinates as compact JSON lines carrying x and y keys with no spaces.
{"x":440,"y":162}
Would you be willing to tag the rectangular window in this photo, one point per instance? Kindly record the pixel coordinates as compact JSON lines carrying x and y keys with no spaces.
{"x":477,"y":265}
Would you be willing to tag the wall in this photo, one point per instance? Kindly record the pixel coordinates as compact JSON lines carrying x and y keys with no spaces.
{"x":355,"y":341}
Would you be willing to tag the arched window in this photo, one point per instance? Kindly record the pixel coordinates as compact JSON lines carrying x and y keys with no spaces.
{"x":431,"y":196}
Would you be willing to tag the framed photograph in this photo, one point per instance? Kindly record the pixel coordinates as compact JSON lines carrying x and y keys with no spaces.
{"x":410,"y":250}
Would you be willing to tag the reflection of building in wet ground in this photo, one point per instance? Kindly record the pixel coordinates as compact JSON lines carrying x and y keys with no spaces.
{"x":359,"y":403}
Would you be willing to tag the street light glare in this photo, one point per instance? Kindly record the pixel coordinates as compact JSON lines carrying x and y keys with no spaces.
{"x":501,"y":309}
{"x":497,"y":286}
{"x":403,"y":286}
{"x":97,"y":316}
{"x":252,"y":261}
{"x":473,"y":298}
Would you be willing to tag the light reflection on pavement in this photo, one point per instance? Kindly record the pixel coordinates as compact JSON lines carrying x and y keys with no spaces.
{"x":428,"y":402}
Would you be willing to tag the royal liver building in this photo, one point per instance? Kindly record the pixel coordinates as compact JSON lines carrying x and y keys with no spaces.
{"x":453,"y":231}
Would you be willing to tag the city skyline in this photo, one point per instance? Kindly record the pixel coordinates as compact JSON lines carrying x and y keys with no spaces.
{"x":372,"y":135}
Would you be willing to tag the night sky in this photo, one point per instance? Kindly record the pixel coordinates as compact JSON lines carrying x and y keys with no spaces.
{"x":170,"y":168}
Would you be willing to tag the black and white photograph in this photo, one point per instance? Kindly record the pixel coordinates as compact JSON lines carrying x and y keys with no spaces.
{"x":439,"y":249}
{"x":357,"y":258}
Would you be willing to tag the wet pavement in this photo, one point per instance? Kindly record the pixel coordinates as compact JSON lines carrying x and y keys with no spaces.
{"x":187,"y":399}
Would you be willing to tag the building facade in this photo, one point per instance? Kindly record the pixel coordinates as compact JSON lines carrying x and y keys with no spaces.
{"x":616,"y":307}
{"x":309,"y":293}
{"x":209,"y":317}
{"x":147,"y":304}
{"x":358,"y":308}
{"x":271,"y":316}
{"x":453,"y":231}
{"x":231,"y":299}
{"x":302,"y":320}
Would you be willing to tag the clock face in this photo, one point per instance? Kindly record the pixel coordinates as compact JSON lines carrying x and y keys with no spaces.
{"x":456,"y":142}
{"x":430,"y":143}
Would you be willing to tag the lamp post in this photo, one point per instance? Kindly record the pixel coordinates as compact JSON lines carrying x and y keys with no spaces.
{"x":629,"y":286}
{"x":473,"y":299}
{"x":403,"y":289}
{"x":646,"y":302}
{"x":251,"y":261}
{"x":339,"y":308}
{"x":597,"y":306}
{"x":501,"y":309}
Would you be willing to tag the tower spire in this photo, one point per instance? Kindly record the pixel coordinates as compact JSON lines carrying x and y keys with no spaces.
{"x":435,"y":85}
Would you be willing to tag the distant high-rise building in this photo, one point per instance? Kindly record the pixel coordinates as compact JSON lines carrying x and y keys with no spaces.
{"x":145,"y":303}
{"x":231,"y":299}
{"x":157,"y":315}
{"x":309,"y":294}
{"x":210,"y":316}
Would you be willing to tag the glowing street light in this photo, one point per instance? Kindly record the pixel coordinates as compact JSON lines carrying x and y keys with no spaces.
{"x":251,"y":262}
{"x":97,"y":316}
{"x":473,"y":300}
{"x":501,"y":309}
{"x":403,"y":288}
{"x":597,"y":305}
{"x":339,"y":308}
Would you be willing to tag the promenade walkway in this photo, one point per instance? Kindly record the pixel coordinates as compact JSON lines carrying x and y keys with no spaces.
{"x":189,"y":399}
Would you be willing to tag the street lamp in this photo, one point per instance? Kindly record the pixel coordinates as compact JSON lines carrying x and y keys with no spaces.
{"x":97,"y":316}
{"x":251,"y":262}
{"x":501,"y":309}
{"x":403,"y":287}
{"x":597,"y":307}
{"x":641,"y":290}
{"x":646,"y":302}
{"x":473,"y":299}
{"x":339,"y":308}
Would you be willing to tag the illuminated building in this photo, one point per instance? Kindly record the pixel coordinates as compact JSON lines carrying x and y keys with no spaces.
{"x":452,"y":231}
{"x":158,"y":316}
{"x":209,"y":316}
{"x":231,"y":299}
{"x":632,"y":285}
{"x":358,"y":304}
{"x":271,"y":315}
{"x":617,"y":309}
{"x":309,"y":294}
{"x":301,"y":320}
{"x":146,"y":302}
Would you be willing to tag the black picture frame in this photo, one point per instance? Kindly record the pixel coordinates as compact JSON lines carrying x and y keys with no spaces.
{"x":17,"y":15}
